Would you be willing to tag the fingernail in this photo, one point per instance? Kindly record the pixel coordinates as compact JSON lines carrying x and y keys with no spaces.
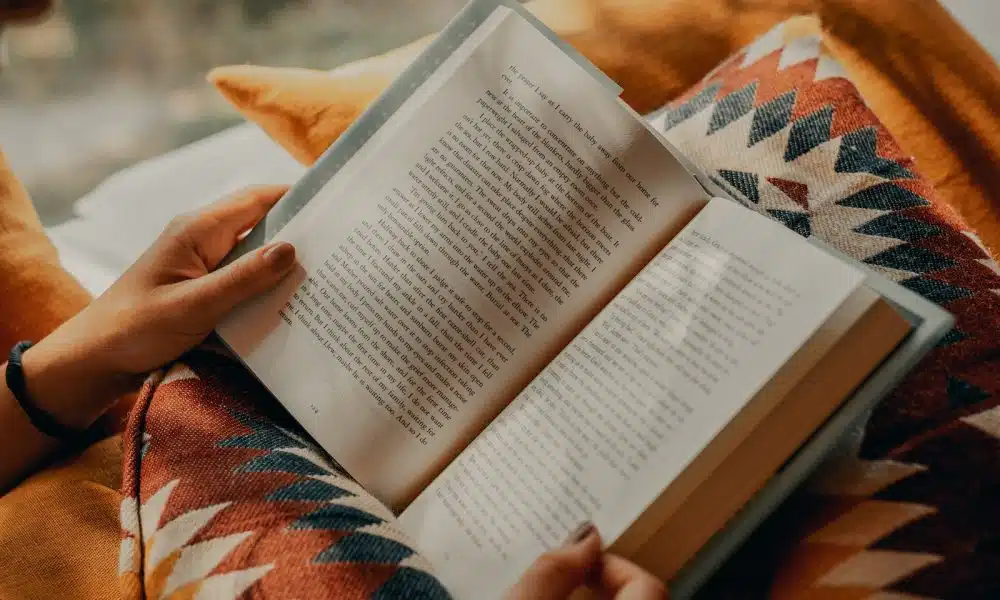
{"x":279,"y":255}
{"x":581,"y":532}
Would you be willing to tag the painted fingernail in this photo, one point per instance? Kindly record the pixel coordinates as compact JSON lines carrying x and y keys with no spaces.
{"x":580,"y":533}
{"x":280,"y":256}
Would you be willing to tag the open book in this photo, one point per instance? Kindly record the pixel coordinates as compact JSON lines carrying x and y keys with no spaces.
{"x":517,"y":310}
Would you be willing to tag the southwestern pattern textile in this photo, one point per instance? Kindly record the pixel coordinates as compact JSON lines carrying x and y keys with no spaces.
{"x":783,"y":129}
{"x":224,"y":498}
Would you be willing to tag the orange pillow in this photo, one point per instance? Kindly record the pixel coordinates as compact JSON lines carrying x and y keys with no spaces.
{"x":934,"y":87}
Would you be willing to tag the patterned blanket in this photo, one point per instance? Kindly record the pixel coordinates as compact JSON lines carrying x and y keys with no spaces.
{"x":225,"y":497}
{"x":914,"y":516}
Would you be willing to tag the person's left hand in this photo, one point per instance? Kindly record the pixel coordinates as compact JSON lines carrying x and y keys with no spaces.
{"x":166,"y":303}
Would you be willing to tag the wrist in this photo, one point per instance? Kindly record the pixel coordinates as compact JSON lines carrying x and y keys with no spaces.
{"x":68,"y":378}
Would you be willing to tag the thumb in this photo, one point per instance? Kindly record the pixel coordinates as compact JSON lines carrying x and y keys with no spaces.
{"x":250,"y":275}
{"x":558,"y":573}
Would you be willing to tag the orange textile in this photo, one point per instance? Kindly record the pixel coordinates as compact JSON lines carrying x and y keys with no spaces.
{"x":58,"y":529}
{"x":934,"y":87}
{"x":36,"y":294}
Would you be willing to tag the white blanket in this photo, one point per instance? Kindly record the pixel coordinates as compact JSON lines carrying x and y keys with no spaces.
{"x":122,"y":216}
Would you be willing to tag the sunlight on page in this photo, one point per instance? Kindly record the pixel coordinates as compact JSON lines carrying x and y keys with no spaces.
{"x":633,"y":399}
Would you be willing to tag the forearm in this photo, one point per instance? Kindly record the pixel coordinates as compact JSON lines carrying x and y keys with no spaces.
{"x":23,"y":447}
{"x":65,"y":377}
{"x":168,"y":302}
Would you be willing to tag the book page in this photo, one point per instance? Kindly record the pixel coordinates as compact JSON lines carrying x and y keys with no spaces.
{"x":621,"y":412}
{"x":487,"y":223}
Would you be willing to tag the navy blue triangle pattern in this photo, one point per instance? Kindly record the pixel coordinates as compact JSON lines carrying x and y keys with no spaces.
{"x":336,"y":517}
{"x":962,"y":394}
{"x":884,"y":196}
{"x":771,"y":118}
{"x":308,"y":490}
{"x":264,"y":435}
{"x":732,"y":107}
{"x":936,"y":291}
{"x":907,"y":257}
{"x":858,"y":153}
{"x":364,"y":547}
{"x":896,"y":226}
{"x":808,"y":133}
{"x":413,"y":584}
{"x":746,"y":183}
{"x":799,"y":222}
{"x":281,"y":462}
{"x":693,"y":106}
{"x":954,"y":336}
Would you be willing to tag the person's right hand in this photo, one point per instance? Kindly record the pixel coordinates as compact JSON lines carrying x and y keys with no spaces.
{"x":162,"y":306}
{"x":558,"y":573}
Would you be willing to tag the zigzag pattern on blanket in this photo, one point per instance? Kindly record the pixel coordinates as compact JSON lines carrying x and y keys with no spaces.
{"x":782,"y":128}
{"x":223,"y":498}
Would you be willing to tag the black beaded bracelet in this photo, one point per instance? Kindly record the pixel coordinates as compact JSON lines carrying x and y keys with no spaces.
{"x":41,"y":419}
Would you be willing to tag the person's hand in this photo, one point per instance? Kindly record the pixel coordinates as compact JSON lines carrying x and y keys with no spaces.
{"x":166,"y":303}
{"x":581,"y":562}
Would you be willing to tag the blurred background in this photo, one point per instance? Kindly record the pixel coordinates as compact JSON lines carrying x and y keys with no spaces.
{"x":102,"y":84}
